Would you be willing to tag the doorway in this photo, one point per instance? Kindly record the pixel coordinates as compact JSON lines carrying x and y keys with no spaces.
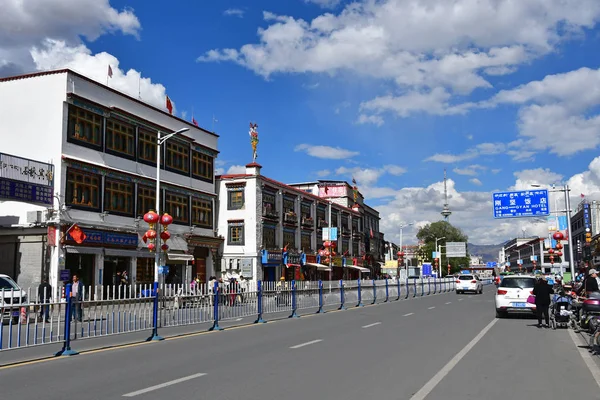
{"x":112,"y":265}
{"x":199,"y":267}
{"x":82,"y":265}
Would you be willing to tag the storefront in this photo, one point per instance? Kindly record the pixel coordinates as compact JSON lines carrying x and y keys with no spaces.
{"x":205,"y":251}
{"x":337,"y":272}
{"x":316,"y":271}
{"x":271,"y":261}
{"x":293,"y":263}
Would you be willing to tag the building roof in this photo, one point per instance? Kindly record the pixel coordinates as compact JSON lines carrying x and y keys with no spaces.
{"x":81,"y":76}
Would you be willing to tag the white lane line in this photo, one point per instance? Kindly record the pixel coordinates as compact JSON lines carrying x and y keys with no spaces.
{"x":373,"y":324}
{"x":239,"y":319}
{"x":437,"y":378}
{"x":162,"y":385}
{"x":460,"y":299}
{"x":406,"y":315}
{"x":431,"y":308}
{"x":306,"y":344}
{"x":586,"y":357}
{"x":449,"y":302}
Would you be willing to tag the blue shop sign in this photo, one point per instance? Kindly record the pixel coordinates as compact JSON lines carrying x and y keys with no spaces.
{"x":271,"y":258}
{"x":25,"y":192}
{"x":108,"y":238}
{"x":295,"y":259}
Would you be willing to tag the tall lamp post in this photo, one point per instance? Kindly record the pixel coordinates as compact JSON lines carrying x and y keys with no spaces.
{"x":159,"y":142}
{"x":438,"y":252}
{"x":402,"y":226}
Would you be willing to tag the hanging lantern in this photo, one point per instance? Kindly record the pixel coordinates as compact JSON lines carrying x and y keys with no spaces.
{"x":165,"y":235}
{"x":334,"y":244}
{"x":166,"y":220}
{"x":558,"y":236}
{"x":550,"y":251}
{"x":401,"y":254}
{"x":321,"y":253}
{"x":151,"y":234}
{"x":327,"y":244}
{"x":151,"y":217}
{"x":559,"y":253}
{"x":165,"y":247}
{"x":151,"y":246}
{"x":559,"y":246}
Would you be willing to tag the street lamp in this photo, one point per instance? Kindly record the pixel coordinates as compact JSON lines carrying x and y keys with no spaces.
{"x":402,"y":226}
{"x":159,"y":142}
{"x":566,"y":191}
{"x":440,"y":253}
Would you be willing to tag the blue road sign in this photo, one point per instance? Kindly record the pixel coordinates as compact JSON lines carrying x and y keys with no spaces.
{"x":524,"y":203}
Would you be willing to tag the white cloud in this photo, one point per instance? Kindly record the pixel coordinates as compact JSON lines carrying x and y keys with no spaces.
{"x":323,"y":173}
{"x":471,"y":170}
{"x":219,"y":171}
{"x":496,"y":170}
{"x":370,"y":119}
{"x":537,"y":176}
{"x":513,"y":149}
{"x":324,"y":3}
{"x":369,"y":176}
{"x":57,"y":54}
{"x":327,"y":152}
{"x":475,"y":181}
{"x":311,"y":86}
{"x":25,"y":24}
{"x":236,"y":169}
{"x":432,"y":50}
{"x":235,"y":12}
{"x":395,"y":170}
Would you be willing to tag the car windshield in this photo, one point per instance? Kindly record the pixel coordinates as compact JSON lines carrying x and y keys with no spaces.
{"x":517,"y":282}
{"x":8,"y":284}
{"x":465,"y":277}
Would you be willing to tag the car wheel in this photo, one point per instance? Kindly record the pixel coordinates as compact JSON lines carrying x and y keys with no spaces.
{"x":500,"y":314}
{"x":458,"y":292}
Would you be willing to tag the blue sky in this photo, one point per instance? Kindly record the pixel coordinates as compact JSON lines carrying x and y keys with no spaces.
{"x":501,"y":94}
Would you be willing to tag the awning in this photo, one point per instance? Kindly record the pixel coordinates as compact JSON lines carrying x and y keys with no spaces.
{"x":177,"y":243}
{"x":361,"y":269}
{"x":83,"y":250}
{"x":180,"y":257}
{"x":320,"y":267}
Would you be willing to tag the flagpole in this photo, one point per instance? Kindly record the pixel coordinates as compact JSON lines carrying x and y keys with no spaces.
{"x":140,"y":86}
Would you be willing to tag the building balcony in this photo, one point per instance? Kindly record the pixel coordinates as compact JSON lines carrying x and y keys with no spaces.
{"x":270,"y":213}
{"x":346,"y":230}
{"x":290,"y":218}
{"x":308,"y":222}
{"x":322,"y":224}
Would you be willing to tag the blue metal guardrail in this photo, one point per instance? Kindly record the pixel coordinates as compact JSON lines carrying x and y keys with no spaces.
{"x":105,"y":311}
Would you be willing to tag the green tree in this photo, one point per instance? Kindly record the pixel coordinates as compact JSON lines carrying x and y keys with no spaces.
{"x":443,"y":229}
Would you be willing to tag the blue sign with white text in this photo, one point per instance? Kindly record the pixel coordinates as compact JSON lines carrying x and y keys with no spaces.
{"x":524,"y":203}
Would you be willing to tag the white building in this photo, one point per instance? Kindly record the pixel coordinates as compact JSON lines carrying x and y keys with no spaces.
{"x":259,"y":216}
{"x":102,"y":144}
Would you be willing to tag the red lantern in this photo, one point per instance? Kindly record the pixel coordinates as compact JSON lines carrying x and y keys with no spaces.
{"x":334,"y":244}
{"x":165,"y":235}
{"x":559,"y":253}
{"x":165,"y":247}
{"x":151,"y":217}
{"x":151,"y":247}
{"x":321,"y":253}
{"x":401,"y":254}
{"x":166,"y":219}
{"x":550,"y":251}
{"x":327,"y":243}
{"x":559,"y":246}
{"x":151,"y":234}
{"x":558,"y":236}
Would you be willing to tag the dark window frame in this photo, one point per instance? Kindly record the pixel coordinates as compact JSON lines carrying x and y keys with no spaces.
{"x":235,"y":226}
{"x":230,"y":205}
{"x":196,"y":206}
{"x":71,"y":130}
{"x":199,"y":158}
{"x":69,"y":190}
{"x":169,"y":203}
{"x":108,"y":200}
{"x":169,"y":146}
{"x":117,"y":133}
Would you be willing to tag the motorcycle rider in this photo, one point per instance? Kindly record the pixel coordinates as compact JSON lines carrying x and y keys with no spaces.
{"x":590,"y":285}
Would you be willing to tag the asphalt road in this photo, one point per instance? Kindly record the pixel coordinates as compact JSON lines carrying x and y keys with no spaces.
{"x":438,"y":347}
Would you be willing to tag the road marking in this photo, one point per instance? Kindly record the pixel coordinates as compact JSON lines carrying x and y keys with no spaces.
{"x":162,"y":385}
{"x":586,"y":358}
{"x":306,"y":344}
{"x":373,"y":324}
{"x":431,"y":308}
{"x":406,"y":315}
{"x":449,"y":302}
{"x":239,"y":319}
{"x":460,"y":299}
{"x":437,"y":378}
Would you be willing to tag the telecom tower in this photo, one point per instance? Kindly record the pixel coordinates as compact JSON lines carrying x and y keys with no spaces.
{"x":446,"y":209}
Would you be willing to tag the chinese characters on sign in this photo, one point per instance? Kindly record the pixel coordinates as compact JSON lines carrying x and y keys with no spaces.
{"x":108,"y":238}
{"x":526,"y":203}
{"x":26,"y":180}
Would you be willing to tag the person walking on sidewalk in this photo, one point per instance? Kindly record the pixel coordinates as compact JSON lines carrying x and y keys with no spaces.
{"x":44,"y":296}
{"x":542,"y":292}
{"x":77,"y":297}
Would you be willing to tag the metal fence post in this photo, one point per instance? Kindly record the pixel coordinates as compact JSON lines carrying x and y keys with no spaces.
{"x":216,"y":326}
{"x":374,"y":292}
{"x":320,"y":310}
{"x":428,"y":286}
{"x":259,"y":299}
{"x":155,"y":335}
{"x":294,"y":301}
{"x":415,"y":287}
{"x":360,"y":304}
{"x":434,"y":284}
{"x":342,"y":299}
{"x":407,"y":288}
{"x":66,"y":350}
{"x":387,"y":291}
{"x":399,"y":287}
{"x":422,"y":287}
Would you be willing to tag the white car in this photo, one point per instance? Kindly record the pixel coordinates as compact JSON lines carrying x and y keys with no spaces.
{"x":11,"y":298}
{"x":512,"y":295}
{"x":468,"y":283}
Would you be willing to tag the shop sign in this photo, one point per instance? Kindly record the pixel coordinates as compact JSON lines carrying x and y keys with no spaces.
{"x":293,"y":258}
{"x":247,"y":268}
{"x":357,"y":261}
{"x":337,"y":262}
{"x":51,"y":236}
{"x":65,"y":275}
{"x":311,"y":258}
{"x":108,"y":238}
{"x":274,"y":258}
{"x":26,"y":180}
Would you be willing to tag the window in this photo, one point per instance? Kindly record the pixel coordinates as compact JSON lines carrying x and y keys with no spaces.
{"x":120,"y":138}
{"x":202,"y":166}
{"x":118,"y":197}
{"x":144,"y":270}
{"x":465,"y":277}
{"x":235,"y":233}
{"x":345,"y":246}
{"x":84,"y":126}
{"x":178,"y":156}
{"x":305,"y":210}
{"x":269,"y":235}
{"x":517,"y":282}
{"x":202,"y":215}
{"x":355,"y":225}
{"x":147,"y":146}
{"x":269,"y":208}
{"x":334,"y":219}
{"x":177,"y":206}
{"x":288,"y":205}
{"x":306,"y":242}
{"x":345,"y":222}
{"x":146,"y":199}
{"x":355,"y":248}
{"x":289,"y":239}
{"x":83,"y":189}
{"x":235,"y":199}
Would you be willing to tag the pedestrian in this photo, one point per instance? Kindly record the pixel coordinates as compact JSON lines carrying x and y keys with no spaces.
{"x":116,"y":283}
{"x":590,"y":285}
{"x":542,"y":292}
{"x":44,"y":297}
{"x":77,"y":298}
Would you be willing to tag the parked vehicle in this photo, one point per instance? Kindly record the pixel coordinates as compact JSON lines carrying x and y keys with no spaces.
{"x":11,"y":298}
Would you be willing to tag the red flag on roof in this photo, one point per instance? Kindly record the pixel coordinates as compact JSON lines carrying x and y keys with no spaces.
{"x":195,"y":122}
{"x":169,"y":105}
{"x":109,"y":72}
{"x":77,"y":234}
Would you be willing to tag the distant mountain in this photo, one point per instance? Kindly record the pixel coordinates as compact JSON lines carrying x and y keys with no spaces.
{"x":489,"y":252}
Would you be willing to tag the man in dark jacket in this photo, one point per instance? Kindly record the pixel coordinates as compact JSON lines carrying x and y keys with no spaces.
{"x":44,"y":296}
{"x":542,"y":292}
